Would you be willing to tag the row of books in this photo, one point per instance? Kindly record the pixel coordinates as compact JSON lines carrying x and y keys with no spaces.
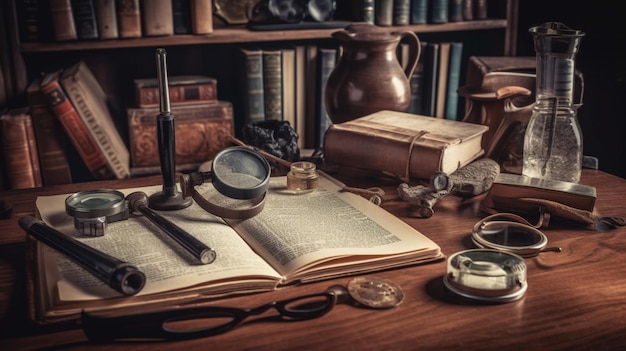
{"x":63,"y":20}
{"x":288,"y":84}
{"x":435,"y":81}
{"x":66,"y":133}
{"x":406,"y":12}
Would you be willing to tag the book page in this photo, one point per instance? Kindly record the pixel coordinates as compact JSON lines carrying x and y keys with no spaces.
{"x":329,"y":232}
{"x":166,"y":265}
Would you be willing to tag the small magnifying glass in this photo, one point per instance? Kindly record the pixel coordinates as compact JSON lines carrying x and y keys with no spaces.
{"x":239,"y":178}
{"x":514,"y":235}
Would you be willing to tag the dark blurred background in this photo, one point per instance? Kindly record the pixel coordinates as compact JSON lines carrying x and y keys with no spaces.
{"x":601,"y":59}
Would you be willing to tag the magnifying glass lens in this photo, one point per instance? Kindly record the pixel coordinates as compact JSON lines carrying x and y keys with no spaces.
{"x":509,"y":234}
{"x":240,"y":173}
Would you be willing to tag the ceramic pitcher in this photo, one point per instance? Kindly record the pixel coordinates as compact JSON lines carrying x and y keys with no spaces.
{"x":368,"y":77}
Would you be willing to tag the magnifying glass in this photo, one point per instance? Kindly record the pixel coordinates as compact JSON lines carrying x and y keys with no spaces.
{"x":515,"y":235}
{"x":236,"y":184}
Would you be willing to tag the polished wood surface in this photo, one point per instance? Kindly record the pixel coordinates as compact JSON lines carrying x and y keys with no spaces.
{"x":576,"y":299}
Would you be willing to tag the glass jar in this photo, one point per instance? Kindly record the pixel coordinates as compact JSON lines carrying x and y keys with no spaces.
{"x":302,"y":176}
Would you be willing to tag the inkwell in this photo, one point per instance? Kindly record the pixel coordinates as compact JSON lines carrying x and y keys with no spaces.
{"x":169,"y":198}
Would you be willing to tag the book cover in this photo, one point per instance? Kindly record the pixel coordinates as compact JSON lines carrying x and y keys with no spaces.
{"x":442,"y":79}
{"x":157,"y":18}
{"x":383,"y":14}
{"x":468,"y":10}
{"x":201,"y":16}
{"x":272,"y":84}
{"x":301,"y":95}
{"x":288,"y":71}
{"x":84,"y":13}
{"x":90,"y":102}
{"x":417,"y":84}
{"x":401,"y":12}
{"x":327,"y":58}
{"x":455,"y":11}
{"x":403,"y":145}
{"x":20,"y":149}
{"x":311,"y":93}
{"x":63,"y":20}
{"x":106,"y":19}
{"x":181,"y":13}
{"x":431,"y":65}
{"x":200,"y":132}
{"x":419,"y":11}
{"x":74,"y":127}
{"x":50,"y":139}
{"x":183,"y":90}
{"x":454,"y":79}
{"x":253,"y":96}
{"x":480,"y":9}
{"x":262,"y":253}
{"x":34,"y":21}
{"x":128,"y":18}
{"x":438,"y":11}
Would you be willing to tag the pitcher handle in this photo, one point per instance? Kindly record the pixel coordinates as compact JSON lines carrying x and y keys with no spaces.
{"x":415,"y":50}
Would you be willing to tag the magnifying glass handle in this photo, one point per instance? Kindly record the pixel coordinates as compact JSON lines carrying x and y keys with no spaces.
{"x":138,"y":202}
{"x":117,"y":274}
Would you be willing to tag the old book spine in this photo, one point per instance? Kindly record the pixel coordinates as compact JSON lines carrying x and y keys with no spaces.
{"x":383,"y":14}
{"x":480,"y":9}
{"x":106,"y":18}
{"x":63,"y":20}
{"x":157,"y":18}
{"x":454,"y":79}
{"x":367,"y":11}
{"x":55,"y":167}
{"x":419,"y":11}
{"x":254,"y":101}
{"x":201,"y":17}
{"x":148,"y":96}
{"x":84,"y":13}
{"x":442,"y":78}
{"x":327,"y":60}
{"x":431,"y":64}
{"x":128,"y":18}
{"x":417,"y":84}
{"x":181,"y":14}
{"x":468,"y":10}
{"x":455,"y":11}
{"x":401,"y":12}
{"x":272,"y":84}
{"x":75,"y":129}
{"x":438,"y":11}
{"x":20,"y":151}
{"x":200,"y":133}
{"x":35,"y":21}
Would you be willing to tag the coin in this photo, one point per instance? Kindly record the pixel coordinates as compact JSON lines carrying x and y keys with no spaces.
{"x":375,"y":292}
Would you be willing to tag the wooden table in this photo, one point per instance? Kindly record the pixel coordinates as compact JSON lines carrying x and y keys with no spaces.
{"x":576,"y":299}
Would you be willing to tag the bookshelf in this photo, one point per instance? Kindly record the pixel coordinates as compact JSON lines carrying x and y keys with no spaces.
{"x":117,"y":62}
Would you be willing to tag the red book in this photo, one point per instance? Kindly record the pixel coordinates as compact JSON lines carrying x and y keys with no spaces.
{"x":74,"y":127}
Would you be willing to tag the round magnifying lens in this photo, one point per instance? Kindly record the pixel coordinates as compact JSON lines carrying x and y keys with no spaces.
{"x":517,"y":237}
{"x":486,"y":275}
{"x":93,"y":209}
{"x":240,"y":173}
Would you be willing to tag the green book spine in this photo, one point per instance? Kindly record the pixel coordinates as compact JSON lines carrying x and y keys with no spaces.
{"x":273,"y":84}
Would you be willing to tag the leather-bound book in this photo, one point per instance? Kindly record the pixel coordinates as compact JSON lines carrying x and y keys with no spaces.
{"x":106,"y":18}
{"x":63,"y":20}
{"x":401,"y":12}
{"x":438,"y":11}
{"x":183,"y":90}
{"x":19,"y":148}
{"x":51,"y":141}
{"x":200,"y":131}
{"x":273,"y":84}
{"x":201,"y":16}
{"x":383,"y":13}
{"x":157,"y":18}
{"x":84,"y":13}
{"x":403,"y":145}
{"x":128,"y":18}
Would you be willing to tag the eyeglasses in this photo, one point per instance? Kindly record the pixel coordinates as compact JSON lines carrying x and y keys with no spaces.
{"x":180,"y":324}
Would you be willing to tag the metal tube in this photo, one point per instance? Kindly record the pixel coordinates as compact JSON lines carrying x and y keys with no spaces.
{"x":117,"y":274}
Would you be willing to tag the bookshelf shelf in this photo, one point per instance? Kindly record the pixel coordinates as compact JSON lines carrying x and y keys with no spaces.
{"x":243,"y":35}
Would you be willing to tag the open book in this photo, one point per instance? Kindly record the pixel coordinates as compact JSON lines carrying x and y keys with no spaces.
{"x":297,"y":238}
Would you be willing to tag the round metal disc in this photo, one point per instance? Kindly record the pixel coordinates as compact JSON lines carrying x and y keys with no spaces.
{"x":375,"y":292}
{"x":95,"y":203}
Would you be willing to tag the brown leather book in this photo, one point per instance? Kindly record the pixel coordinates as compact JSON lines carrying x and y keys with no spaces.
{"x":183,"y":90}
{"x":75,"y":129}
{"x":201,"y":16}
{"x":51,"y":141}
{"x":63,"y":20}
{"x":157,"y":18}
{"x":403,"y":145}
{"x":20,"y":149}
{"x":128,"y":18}
{"x":106,"y":18}
{"x":200,"y":131}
